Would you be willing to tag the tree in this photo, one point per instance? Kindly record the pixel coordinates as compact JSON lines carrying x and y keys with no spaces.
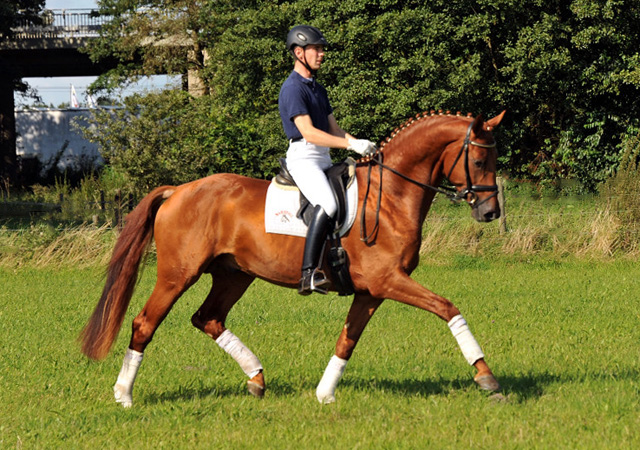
{"x":12,"y":12}
{"x":148,"y":38}
{"x":567,"y":72}
{"x":171,"y":138}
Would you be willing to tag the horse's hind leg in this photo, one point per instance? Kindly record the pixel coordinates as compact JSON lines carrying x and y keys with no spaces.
{"x":227,"y":288}
{"x":360,"y":313}
{"x":163,"y":297}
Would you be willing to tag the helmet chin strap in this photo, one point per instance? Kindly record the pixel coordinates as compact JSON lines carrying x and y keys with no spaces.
{"x":304,"y":63}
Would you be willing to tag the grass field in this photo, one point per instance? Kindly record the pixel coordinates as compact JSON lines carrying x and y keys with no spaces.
{"x":562,"y":337}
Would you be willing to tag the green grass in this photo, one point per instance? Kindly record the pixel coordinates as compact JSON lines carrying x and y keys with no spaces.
{"x":561,"y":337}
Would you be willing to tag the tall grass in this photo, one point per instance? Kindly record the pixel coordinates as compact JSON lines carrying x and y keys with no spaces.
{"x":622,"y":193}
{"x":581,"y":227}
{"x":42,"y":245}
{"x":91,"y":199}
{"x":556,"y":228}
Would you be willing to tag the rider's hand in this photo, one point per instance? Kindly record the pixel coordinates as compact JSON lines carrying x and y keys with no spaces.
{"x":363,"y":147}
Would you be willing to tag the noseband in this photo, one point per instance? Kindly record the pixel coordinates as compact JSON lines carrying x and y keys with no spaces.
{"x":469,"y":194}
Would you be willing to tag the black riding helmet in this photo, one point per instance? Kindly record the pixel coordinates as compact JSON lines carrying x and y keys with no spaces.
{"x":303,"y":35}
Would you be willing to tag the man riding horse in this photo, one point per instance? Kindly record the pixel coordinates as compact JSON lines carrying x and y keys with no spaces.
{"x":308,"y":121}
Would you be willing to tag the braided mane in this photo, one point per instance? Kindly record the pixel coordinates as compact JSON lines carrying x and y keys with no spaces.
{"x":407,"y":124}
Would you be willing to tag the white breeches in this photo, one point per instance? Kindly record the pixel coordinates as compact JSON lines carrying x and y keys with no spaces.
{"x":307,"y":163}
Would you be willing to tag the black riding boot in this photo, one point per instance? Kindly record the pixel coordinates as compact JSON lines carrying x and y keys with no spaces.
{"x":313,"y":278}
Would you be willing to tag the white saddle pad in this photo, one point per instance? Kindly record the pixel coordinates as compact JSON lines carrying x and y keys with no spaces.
{"x":283,"y":202}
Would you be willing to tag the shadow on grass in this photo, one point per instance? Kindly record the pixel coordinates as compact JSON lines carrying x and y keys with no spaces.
{"x":224,"y":390}
{"x":517,"y":387}
{"x":190,"y":393}
{"x":534,"y":385}
{"x":408,"y":387}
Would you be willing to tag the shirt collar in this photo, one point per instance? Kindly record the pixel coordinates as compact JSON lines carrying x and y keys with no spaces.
{"x":303,"y":79}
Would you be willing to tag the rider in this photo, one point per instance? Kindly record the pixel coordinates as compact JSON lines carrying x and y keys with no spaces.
{"x":308,"y":121}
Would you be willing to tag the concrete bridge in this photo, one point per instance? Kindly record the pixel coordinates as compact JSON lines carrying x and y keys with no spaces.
{"x":51,"y":50}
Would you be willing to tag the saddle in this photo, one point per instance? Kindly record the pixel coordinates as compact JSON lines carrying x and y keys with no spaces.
{"x":340,"y":177}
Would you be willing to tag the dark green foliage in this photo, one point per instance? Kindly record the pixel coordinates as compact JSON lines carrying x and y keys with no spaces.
{"x":567,"y":72}
{"x":12,"y":12}
{"x":172,"y":138}
{"x":15,"y":13}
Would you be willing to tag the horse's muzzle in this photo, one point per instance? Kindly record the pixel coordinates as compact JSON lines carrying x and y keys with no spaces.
{"x":486,"y":211}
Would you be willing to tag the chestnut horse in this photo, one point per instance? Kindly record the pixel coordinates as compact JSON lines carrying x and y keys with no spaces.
{"x":215,"y":225}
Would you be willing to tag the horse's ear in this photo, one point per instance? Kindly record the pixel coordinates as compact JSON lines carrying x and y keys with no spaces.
{"x":492,"y":123}
{"x":478,"y":123}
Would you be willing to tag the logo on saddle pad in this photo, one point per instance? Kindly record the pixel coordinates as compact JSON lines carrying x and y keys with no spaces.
{"x":283,"y":203}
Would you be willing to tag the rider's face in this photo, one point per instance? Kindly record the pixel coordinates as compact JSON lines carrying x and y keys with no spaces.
{"x":314,"y":55}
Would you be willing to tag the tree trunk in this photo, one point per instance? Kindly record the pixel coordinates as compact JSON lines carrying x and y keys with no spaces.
{"x":8,"y":167}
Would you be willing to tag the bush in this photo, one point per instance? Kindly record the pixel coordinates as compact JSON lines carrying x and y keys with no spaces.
{"x":172,"y":138}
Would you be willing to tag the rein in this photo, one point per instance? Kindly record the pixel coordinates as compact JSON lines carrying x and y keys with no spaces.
{"x":451,"y":193}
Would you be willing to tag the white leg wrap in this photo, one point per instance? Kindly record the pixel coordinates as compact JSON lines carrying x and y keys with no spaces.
{"x":123,"y":388}
{"x":468,"y":344}
{"x":332,"y":374}
{"x":249,"y":363}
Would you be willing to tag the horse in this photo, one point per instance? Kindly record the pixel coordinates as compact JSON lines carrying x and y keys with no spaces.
{"x":214,"y":225}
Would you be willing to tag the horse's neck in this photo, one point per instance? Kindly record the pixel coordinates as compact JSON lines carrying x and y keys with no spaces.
{"x":415,"y":151}
{"x":420,"y":142}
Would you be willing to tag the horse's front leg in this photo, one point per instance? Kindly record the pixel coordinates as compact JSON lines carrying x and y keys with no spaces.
{"x":402,"y":288}
{"x":360,"y":313}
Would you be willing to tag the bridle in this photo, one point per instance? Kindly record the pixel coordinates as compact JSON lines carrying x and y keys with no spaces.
{"x":468,"y":194}
{"x":471,"y":189}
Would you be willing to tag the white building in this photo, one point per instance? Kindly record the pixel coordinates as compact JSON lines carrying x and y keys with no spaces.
{"x":50,"y":135}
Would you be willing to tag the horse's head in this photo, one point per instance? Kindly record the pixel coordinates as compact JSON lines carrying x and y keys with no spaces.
{"x":469,"y":163}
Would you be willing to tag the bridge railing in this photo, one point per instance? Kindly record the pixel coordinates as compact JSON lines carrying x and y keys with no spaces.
{"x":61,"y":23}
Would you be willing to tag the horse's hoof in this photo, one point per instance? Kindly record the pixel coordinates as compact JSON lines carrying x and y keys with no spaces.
{"x":255,"y":389}
{"x":326,"y":399}
{"x":122,"y":397}
{"x":488,"y":383}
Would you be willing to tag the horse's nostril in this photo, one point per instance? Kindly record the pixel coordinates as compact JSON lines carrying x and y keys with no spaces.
{"x":491,"y":215}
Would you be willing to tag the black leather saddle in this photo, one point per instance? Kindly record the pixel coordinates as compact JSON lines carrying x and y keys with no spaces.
{"x":340,"y":177}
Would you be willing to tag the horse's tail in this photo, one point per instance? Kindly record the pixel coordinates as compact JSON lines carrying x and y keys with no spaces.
{"x":105,"y":322}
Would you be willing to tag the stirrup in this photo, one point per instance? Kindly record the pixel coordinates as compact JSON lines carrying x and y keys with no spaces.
{"x":313,"y":281}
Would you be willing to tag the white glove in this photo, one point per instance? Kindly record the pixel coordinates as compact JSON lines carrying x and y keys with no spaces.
{"x":363,"y":147}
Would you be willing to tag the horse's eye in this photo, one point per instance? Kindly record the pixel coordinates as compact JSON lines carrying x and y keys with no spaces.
{"x":478,"y":163}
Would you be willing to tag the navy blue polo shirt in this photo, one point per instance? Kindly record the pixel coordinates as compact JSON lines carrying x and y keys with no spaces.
{"x":299,"y":96}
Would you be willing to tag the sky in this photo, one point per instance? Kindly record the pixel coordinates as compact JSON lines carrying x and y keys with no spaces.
{"x":57,"y":90}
